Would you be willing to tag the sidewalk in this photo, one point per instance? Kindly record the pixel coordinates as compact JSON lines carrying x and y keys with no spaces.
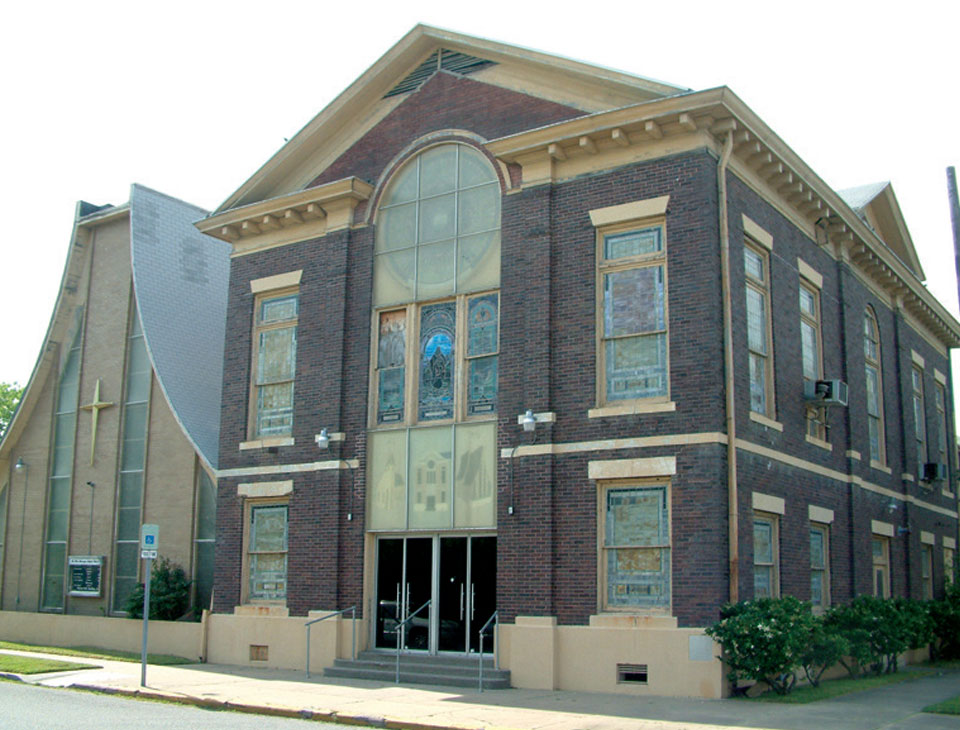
{"x":285,"y":692}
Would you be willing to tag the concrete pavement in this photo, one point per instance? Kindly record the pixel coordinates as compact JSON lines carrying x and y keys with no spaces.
{"x":286,"y":692}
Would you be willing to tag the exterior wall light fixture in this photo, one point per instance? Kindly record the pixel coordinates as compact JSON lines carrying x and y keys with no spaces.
{"x":529,"y":421}
{"x":322,"y":439}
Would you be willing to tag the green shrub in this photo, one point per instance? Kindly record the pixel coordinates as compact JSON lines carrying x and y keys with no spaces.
{"x":169,"y":593}
{"x":825,"y":648}
{"x":764,"y":639}
{"x":945,"y":623}
{"x":877,"y":630}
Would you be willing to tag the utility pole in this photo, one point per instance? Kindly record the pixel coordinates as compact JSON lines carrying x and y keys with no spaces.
{"x":954,"y":218}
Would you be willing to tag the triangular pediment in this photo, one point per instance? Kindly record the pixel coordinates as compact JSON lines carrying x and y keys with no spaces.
{"x":406,"y":68}
{"x":877,"y":206}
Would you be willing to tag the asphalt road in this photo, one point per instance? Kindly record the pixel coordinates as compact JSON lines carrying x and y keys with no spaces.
{"x":30,"y":707}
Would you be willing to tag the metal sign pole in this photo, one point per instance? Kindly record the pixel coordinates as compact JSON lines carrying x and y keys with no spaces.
{"x":148,"y":569}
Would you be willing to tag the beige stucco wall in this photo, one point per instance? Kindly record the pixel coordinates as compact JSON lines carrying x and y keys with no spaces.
{"x":165,"y":637}
{"x":542,"y":655}
{"x":230,"y":638}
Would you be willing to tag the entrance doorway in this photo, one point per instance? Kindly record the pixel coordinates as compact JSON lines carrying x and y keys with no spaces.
{"x":457,"y":574}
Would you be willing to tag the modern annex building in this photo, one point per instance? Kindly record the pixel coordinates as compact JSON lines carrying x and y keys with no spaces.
{"x":119,"y":423}
{"x":507,"y":332}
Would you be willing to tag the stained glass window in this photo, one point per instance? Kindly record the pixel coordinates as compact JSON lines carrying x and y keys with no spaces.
{"x":482,"y":347}
{"x":871,"y":351}
{"x":819,"y":567}
{"x":276,"y":339}
{"x":766,"y":583}
{"x":268,"y":552}
{"x":758,"y":335}
{"x":637,"y":547}
{"x":391,"y":359}
{"x":437,"y":334}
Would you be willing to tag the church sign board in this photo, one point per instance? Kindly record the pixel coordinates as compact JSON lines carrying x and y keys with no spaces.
{"x":86,"y":575}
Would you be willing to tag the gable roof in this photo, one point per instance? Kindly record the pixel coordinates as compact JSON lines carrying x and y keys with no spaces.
{"x":402,"y":69}
{"x":877,"y":206}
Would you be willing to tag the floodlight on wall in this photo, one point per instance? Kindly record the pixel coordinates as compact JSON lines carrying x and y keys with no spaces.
{"x":322,"y":439}
{"x":529,"y":421}
{"x":20,"y":466}
{"x":892,"y":505}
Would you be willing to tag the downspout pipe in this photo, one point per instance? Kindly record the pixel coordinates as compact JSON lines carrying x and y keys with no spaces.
{"x":733,"y":518}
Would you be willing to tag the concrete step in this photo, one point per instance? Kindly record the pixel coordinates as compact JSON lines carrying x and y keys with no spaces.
{"x":421,"y":669}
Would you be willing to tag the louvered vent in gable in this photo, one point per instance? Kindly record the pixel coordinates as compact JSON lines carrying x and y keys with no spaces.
{"x":445,"y":59}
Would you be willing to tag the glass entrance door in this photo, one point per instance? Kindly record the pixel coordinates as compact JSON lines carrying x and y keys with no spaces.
{"x":460,"y":582}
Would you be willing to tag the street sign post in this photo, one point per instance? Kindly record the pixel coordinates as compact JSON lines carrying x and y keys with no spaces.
{"x":149,"y":545}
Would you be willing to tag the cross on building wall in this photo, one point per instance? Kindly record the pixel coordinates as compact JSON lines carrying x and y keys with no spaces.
{"x":95,"y":407}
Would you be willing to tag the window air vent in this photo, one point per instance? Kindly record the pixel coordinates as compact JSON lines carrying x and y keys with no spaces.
{"x":826,"y":392}
{"x":444,"y":59}
{"x":259,"y":653}
{"x":934,"y":472}
{"x":631,"y":673}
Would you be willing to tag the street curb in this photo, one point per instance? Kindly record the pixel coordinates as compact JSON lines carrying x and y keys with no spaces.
{"x":319,"y":716}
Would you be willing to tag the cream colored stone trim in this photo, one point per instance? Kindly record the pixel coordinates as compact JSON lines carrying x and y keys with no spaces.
{"x":950,"y":543}
{"x":629,"y":211}
{"x":820,"y":443}
{"x":769,"y":503}
{"x":658,"y":466}
{"x":840,"y":477}
{"x":939,"y":377}
{"x":907,"y":477}
{"x":757,"y":234}
{"x":881,"y":528}
{"x":243,"y":471}
{"x":947,"y":493}
{"x":266,"y":443}
{"x":542,"y":621}
{"x":632,"y":409}
{"x":917,"y":358}
{"x":543,"y":417}
{"x":927,"y":538}
{"x":265,"y":489}
{"x":855,"y":455}
{"x":809,"y":273}
{"x":874,"y":464}
{"x":819,"y":514}
{"x":277,"y":281}
{"x":764,"y":421}
{"x":333,"y":436}
{"x":640,"y":442}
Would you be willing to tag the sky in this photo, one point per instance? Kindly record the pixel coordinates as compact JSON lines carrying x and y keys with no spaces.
{"x":191,"y":98}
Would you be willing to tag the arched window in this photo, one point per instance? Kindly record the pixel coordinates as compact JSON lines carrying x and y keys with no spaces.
{"x":871,"y":353}
{"x":438,"y":228}
{"x":436,"y":319}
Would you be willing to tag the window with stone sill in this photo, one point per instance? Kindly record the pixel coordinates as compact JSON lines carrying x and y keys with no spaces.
{"x":819,"y":566}
{"x":926,"y":572}
{"x":759,"y":337}
{"x":274,"y":363}
{"x":874,"y":381}
{"x":267,"y":552}
{"x":635,"y":552}
{"x":880,"y":549}
{"x":766,"y":555}
{"x":811,"y":355}
{"x":632,"y":293}
{"x":919,"y":419}
{"x":940,"y":400}
{"x":949,"y":569}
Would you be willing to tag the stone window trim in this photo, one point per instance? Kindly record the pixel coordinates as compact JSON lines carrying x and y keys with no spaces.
{"x":250,"y":505}
{"x":940,"y":404}
{"x":811,"y":355}
{"x":650,"y":485}
{"x":758,"y":287}
{"x":608,"y":223}
{"x":256,"y":437}
{"x":880,"y":550}
{"x":411,"y":317}
{"x":919,"y":416}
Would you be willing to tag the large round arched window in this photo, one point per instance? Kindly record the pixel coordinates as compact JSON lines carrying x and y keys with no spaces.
{"x":438,"y":228}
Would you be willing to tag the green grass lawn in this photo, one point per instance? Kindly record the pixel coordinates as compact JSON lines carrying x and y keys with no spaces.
{"x":844,"y":685}
{"x":947,"y":707}
{"x":32,"y":665}
{"x":93,"y":652}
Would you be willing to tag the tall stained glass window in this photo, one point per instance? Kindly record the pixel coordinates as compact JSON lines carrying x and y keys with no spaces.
{"x":276,"y":363}
{"x":871,"y":353}
{"x":760,"y":352}
{"x":636,"y":547}
{"x":437,"y":335}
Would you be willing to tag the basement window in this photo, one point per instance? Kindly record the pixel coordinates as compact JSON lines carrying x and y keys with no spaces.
{"x":631,"y":673}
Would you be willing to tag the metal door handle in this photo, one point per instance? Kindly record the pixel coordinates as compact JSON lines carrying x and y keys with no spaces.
{"x":473,"y":604}
{"x":461,"y":601}
{"x":407,"y":603}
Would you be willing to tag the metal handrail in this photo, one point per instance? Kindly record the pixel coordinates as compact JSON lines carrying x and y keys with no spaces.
{"x":496,"y":645}
{"x":353,"y":621}
{"x":399,"y":630}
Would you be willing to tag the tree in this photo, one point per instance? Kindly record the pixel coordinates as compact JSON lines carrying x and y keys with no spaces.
{"x":169,"y":593}
{"x":10,"y":394}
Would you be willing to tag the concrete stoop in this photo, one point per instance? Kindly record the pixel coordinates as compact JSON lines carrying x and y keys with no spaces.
{"x":443,"y":671}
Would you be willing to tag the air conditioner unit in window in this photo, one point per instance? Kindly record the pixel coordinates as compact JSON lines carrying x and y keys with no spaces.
{"x":826,"y":392}
{"x":934,"y":472}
